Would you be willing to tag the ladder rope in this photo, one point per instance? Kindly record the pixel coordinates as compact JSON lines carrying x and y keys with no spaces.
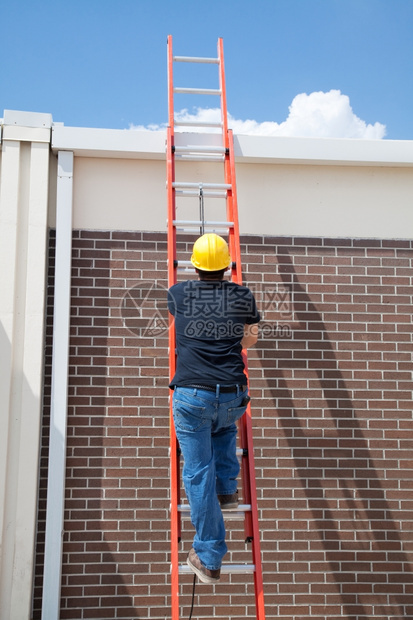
{"x":193,"y":598}
{"x":201,"y":211}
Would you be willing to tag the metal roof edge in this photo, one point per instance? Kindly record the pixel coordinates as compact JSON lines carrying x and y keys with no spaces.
{"x":19,"y":118}
{"x":323,"y":151}
{"x":114,"y":143}
{"x":130,"y":143}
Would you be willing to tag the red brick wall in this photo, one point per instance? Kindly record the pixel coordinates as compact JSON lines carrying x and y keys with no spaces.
{"x":331,"y":387}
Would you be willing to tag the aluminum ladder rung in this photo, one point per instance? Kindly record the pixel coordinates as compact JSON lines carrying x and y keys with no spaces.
{"x":185,"y":266}
{"x":190,"y":185}
{"x":184,"y":263}
{"x":205,"y":158}
{"x":230,"y":514}
{"x":195,"y":229}
{"x":193,"y":194}
{"x":187,"y":263}
{"x":226,"y":569}
{"x":200,"y":149}
{"x":197,"y":91}
{"x":194,"y":226}
{"x":177,"y":123}
{"x":214,"y":61}
{"x":239,"y":451}
{"x":206,"y":223}
{"x":184,"y":508}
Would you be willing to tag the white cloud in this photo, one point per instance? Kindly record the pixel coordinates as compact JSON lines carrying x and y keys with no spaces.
{"x":317,"y":115}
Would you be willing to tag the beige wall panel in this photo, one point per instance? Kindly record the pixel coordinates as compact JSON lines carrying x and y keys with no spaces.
{"x":274,"y":199}
{"x":325,"y":201}
{"x":119,"y":194}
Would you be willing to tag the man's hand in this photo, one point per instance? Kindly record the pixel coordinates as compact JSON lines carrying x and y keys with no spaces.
{"x":250,"y":336}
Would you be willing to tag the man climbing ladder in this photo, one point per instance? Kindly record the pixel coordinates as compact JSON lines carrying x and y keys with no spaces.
{"x":210,"y":150}
{"x":214,"y":320}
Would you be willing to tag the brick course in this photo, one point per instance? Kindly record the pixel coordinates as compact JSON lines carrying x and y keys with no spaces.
{"x":331,"y":386}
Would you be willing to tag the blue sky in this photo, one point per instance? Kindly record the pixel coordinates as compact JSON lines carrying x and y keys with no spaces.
{"x":102,"y":63}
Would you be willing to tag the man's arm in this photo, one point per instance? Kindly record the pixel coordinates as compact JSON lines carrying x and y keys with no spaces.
{"x":250,"y":336}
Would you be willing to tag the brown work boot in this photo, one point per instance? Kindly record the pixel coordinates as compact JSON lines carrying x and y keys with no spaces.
{"x":204,"y":574}
{"x":228,"y":501}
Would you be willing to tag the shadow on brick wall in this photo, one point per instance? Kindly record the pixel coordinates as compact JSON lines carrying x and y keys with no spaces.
{"x":348,"y":516}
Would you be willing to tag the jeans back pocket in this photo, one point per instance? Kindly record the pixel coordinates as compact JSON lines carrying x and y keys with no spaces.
{"x":187,"y":416}
{"x":235,"y":413}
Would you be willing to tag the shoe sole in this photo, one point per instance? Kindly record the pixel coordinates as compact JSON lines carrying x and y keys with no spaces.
{"x":204,"y":578}
{"x":229,"y":506}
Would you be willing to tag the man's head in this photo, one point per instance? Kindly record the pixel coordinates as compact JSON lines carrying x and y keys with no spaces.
{"x":210,"y":257}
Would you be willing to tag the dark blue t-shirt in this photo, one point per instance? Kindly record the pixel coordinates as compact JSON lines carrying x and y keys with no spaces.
{"x":209,"y":321}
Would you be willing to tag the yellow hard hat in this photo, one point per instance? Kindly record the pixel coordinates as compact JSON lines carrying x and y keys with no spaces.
{"x":210,"y":253}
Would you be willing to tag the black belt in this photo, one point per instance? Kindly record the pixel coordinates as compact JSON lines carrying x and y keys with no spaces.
{"x":222,"y":388}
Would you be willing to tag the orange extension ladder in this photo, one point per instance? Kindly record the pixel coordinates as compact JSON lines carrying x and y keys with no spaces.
{"x":226,"y":191}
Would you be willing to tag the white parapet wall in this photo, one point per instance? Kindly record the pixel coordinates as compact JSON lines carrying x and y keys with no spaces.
{"x":286,"y":186}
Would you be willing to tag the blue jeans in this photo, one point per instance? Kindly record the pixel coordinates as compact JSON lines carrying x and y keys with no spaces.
{"x":207,"y":434}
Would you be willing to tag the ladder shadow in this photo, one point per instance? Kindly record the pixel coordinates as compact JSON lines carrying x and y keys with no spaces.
{"x":365,"y":555}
